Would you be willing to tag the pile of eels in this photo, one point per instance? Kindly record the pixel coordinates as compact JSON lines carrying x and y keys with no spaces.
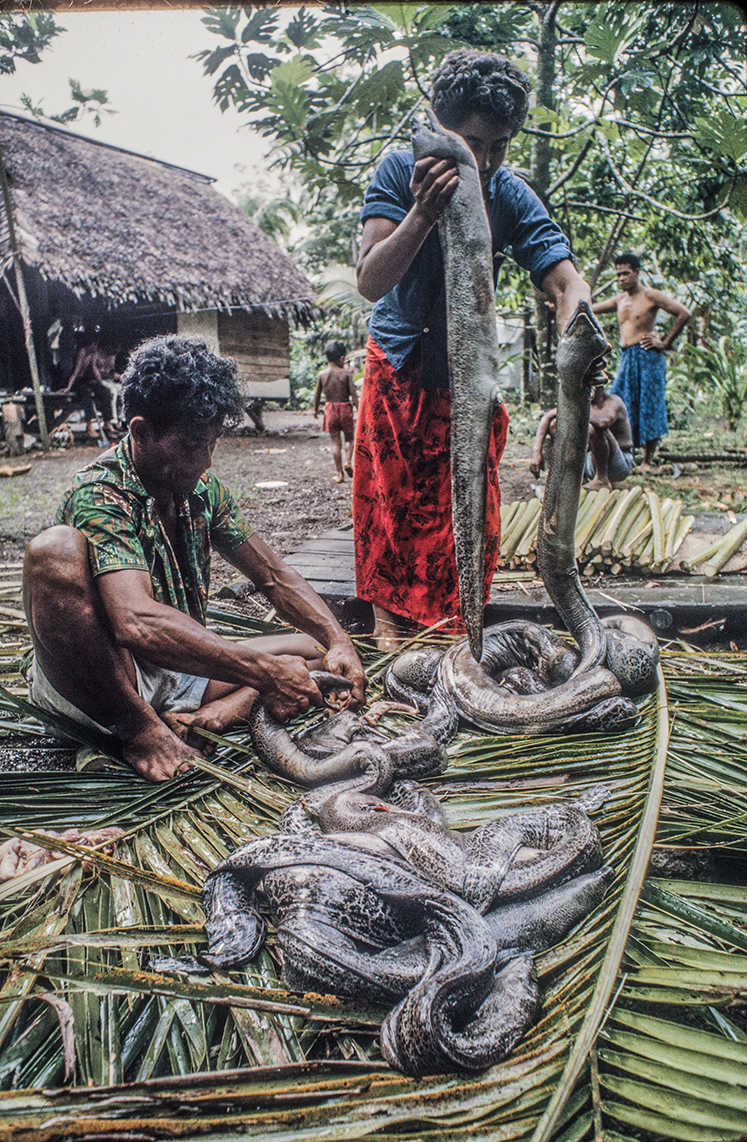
{"x":372,"y":895}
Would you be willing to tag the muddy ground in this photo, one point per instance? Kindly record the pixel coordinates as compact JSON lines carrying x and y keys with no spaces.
{"x":294,"y":452}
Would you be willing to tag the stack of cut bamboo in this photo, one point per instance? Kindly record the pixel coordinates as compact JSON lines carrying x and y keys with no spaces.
{"x":630,"y":530}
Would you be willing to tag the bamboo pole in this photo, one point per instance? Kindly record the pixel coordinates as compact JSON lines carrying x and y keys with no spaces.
{"x":24,"y":307}
{"x":672,"y":527}
{"x":730,"y":543}
{"x":654,"y":504}
{"x":523,"y":520}
{"x":596,"y":514}
{"x":633,"y":519}
{"x":635,"y":542}
{"x":684,"y":526}
{"x":667,"y":513}
{"x":703,"y":555}
{"x":611,"y":529}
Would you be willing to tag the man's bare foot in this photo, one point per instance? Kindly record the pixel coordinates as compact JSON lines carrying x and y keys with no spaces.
{"x":646,"y":466}
{"x":216,"y":716}
{"x":339,"y":478}
{"x":156,"y":753}
{"x":387,"y":633}
{"x":596,"y":483}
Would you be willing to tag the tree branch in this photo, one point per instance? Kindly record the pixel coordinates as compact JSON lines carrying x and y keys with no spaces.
{"x":561,"y":134}
{"x":563,"y":178}
{"x":653,"y":130}
{"x":631,"y":191}
{"x":606,"y":210}
{"x":415,"y":76}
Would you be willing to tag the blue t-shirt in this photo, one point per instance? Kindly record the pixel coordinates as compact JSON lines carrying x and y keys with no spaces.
{"x":413,"y":313}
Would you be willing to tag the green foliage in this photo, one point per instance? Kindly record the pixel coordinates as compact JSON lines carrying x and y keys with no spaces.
{"x":647,"y":136}
{"x":724,"y":132}
{"x":718,"y":368}
{"x":275,"y":215}
{"x":92,"y":102}
{"x":24,"y":37}
{"x":303,"y":370}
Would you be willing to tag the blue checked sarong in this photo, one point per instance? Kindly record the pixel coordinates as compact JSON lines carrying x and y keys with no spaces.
{"x":640,"y":382}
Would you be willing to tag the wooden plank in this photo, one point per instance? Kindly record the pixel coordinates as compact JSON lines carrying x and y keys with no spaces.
{"x":324,"y":571}
{"x":339,"y":547}
{"x":331,"y":590}
{"x":344,"y":554}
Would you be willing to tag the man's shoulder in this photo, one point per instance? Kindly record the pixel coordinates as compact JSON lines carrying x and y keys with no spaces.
{"x":655,"y":296}
{"x":106,"y":471}
{"x":394,"y":169}
{"x":400,"y":159}
{"x":509,"y":186}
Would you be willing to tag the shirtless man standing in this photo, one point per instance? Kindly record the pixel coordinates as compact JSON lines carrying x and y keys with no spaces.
{"x":340,"y":397}
{"x":641,"y":378}
{"x":610,"y":456}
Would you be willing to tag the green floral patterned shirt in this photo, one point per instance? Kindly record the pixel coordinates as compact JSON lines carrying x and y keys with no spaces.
{"x":110,"y":506}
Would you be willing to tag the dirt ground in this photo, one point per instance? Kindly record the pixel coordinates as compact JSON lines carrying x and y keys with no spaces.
{"x":293,"y":454}
{"x":302,"y":501}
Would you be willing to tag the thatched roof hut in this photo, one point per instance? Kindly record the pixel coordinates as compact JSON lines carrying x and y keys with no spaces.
{"x":104,"y":230}
{"x":117,"y":225}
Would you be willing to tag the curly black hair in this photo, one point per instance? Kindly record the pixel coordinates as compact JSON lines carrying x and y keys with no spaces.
{"x":333,"y":350}
{"x":176,"y":381}
{"x":628,"y":259}
{"x":468,"y":81}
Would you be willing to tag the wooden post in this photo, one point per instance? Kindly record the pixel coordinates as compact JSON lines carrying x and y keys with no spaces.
{"x":25,"y":311}
{"x":13,"y":427}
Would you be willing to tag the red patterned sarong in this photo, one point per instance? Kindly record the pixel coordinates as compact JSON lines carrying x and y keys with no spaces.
{"x":404,"y":545}
{"x":338,"y":417}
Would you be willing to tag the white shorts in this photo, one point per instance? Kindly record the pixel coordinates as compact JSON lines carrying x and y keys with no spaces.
{"x":167,"y":691}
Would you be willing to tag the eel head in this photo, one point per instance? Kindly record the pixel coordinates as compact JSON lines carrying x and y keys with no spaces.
{"x":581,"y":348}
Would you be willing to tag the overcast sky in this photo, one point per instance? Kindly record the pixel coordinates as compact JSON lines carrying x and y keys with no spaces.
{"x":163,"y":102}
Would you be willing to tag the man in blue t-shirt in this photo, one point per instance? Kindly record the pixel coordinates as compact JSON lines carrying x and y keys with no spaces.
{"x":405,"y":564}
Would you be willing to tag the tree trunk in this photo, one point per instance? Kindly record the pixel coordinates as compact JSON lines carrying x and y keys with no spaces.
{"x":540,"y":170}
{"x":23,"y":305}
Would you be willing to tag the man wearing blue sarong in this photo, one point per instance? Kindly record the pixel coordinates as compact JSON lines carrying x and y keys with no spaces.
{"x":641,"y":377}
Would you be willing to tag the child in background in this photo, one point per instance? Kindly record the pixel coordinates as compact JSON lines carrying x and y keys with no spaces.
{"x":340,"y":397}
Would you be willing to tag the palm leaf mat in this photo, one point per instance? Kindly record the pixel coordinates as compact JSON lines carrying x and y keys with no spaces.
{"x":93,"y":1045}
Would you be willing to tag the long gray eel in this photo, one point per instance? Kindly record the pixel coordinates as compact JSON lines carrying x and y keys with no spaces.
{"x":473,"y":360}
{"x":580,"y":349}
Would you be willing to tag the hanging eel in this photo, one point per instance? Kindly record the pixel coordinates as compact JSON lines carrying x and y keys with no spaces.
{"x":473,"y":361}
{"x":529,"y":680}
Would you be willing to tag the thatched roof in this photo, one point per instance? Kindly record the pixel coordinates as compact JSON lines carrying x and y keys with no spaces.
{"x":117,"y":225}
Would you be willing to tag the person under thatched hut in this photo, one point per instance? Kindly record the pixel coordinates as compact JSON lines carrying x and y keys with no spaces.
{"x":116,"y":592}
{"x":87,"y":382}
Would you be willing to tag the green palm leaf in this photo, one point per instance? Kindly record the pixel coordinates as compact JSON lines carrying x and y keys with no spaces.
{"x":237,"y":1054}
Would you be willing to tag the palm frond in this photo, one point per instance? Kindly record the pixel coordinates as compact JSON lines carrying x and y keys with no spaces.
{"x":238,"y":1054}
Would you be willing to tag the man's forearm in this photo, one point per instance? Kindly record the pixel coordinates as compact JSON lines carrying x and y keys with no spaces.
{"x":565,"y":287}
{"x":386,"y":263}
{"x":678,"y":325}
{"x":295,"y":600}
{"x":298,"y":603}
{"x":167,"y":637}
